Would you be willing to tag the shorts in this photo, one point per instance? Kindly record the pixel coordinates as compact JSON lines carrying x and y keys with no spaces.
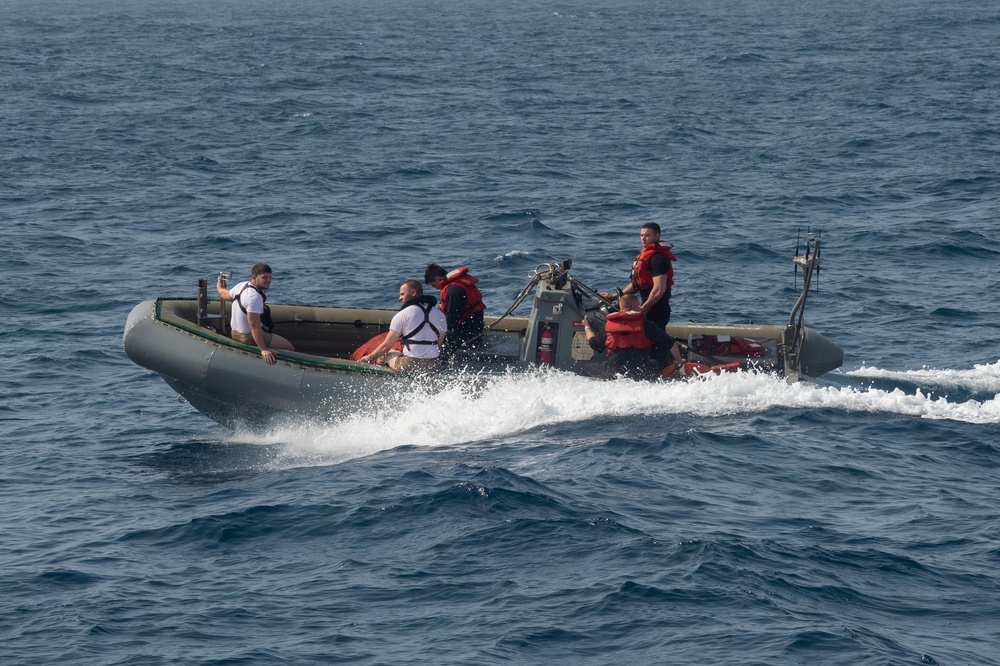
{"x":412,"y":364}
{"x":247,"y":339}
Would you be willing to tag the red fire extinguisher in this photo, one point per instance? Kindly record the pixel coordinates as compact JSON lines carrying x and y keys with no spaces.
{"x":545,"y":342}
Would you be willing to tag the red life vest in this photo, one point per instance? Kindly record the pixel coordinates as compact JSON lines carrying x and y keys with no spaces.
{"x":642,"y":274}
{"x":372,"y":345}
{"x":690,"y":368}
{"x":711,"y":345}
{"x":627,"y":330}
{"x":473,"y":297}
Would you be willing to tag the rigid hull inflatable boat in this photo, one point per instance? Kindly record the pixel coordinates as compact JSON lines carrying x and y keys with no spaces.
{"x":183,"y":341}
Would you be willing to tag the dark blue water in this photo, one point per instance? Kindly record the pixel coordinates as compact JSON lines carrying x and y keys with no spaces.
{"x":547,"y":518}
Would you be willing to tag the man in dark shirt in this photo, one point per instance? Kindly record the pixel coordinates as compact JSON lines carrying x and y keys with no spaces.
{"x":652,"y":275}
{"x":462,"y":304}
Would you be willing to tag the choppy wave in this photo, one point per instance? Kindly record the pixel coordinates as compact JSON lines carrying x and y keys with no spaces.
{"x":500,"y":258}
{"x":526,"y":519}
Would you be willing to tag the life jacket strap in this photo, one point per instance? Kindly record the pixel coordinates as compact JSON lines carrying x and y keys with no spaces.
{"x":407,"y":338}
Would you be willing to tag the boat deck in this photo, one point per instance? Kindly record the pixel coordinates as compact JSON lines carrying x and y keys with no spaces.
{"x":331,"y":332}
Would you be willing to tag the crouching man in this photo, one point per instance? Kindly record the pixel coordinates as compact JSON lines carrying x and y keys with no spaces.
{"x":635,"y":346}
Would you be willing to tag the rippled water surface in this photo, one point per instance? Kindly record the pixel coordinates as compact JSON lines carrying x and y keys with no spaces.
{"x":542,"y":518}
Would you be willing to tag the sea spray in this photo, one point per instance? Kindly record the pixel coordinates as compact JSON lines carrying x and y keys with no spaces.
{"x":477,"y":409}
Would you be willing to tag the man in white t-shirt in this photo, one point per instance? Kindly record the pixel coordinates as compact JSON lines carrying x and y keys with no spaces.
{"x":251,"y":318}
{"x":421,"y":328}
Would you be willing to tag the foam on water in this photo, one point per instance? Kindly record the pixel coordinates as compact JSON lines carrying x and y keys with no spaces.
{"x":508,"y":405}
{"x":984,"y":378}
{"x":500,"y":258}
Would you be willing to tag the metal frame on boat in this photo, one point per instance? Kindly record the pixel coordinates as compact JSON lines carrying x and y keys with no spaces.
{"x":184,"y":341}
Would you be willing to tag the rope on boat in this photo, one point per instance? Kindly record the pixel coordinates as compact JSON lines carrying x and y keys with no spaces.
{"x":541,"y":271}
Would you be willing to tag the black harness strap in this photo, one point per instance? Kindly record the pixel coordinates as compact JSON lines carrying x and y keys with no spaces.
{"x":426,"y":309}
{"x":266,"y":322}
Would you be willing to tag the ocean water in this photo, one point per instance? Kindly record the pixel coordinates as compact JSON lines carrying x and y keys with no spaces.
{"x":545,"y":518}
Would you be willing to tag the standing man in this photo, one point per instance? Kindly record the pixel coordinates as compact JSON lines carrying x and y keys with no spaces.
{"x":652,"y":275}
{"x":251,"y":322}
{"x":420,"y":326}
{"x":461,"y":302}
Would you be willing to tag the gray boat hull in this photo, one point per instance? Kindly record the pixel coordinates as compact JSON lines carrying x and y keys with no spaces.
{"x":230,"y":383}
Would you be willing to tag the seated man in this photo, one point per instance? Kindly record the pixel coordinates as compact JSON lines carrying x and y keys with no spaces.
{"x":421,"y":328}
{"x":250,"y":321}
{"x":635,"y":346}
{"x":462,"y":303}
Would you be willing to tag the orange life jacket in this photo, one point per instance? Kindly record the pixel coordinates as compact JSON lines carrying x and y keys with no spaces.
{"x":473,"y":297}
{"x":690,"y":368}
{"x":627,"y":330}
{"x":372,"y":345}
{"x":642,"y":274}
{"x":711,"y":345}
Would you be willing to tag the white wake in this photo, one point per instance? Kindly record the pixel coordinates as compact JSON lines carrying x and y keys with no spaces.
{"x":981,"y":378}
{"x":508,"y":405}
